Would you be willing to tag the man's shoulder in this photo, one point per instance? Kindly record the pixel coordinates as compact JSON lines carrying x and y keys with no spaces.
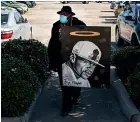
{"x":56,"y":23}
{"x":77,"y":21}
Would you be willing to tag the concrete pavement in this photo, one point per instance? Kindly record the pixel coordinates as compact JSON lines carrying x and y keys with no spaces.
{"x":97,"y":105}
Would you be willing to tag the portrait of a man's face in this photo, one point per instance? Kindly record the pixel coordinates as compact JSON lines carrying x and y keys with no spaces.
{"x":82,"y":58}
{"x":83,"y":67}
{"x":85,"y":58}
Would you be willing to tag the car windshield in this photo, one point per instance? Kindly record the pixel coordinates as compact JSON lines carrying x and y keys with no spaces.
{"x":117,"y":2}
{"x":5,"y":3}
{"x":12,"y":2}
{"x":4,"y":18}
{"x":139,"y":15}
{"x":133,"y":2}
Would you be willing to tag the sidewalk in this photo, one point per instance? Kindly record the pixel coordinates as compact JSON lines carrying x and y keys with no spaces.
{"x":97,"y":105}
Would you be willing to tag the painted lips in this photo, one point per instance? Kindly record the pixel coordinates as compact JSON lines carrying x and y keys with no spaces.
{"x":88,"y":73}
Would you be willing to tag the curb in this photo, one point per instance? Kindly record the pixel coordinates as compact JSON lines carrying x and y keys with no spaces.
{"x":126,"y":104}
{"x":27,"y":115}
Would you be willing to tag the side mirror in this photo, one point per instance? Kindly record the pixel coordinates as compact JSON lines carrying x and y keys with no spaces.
{"x":25,"y":20}
{"x":129,"y":18}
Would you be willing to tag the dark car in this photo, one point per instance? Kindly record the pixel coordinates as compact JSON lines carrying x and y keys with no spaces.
{"x":26,"y":2}
{"x":128,"y":26}
{"x":30,"y":4}
{"x":18,"y":8}
{"x":33,"y":3}
{"x":103,"y":1}
{"x":114,"y":4}
{"x":65,"y":2}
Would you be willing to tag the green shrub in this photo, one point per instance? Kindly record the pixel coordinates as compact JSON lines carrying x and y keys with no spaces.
{"x":133,"y":86}
{"x":18,"y":86}
{"x":33,"y":52}
{"x":126,"y":60}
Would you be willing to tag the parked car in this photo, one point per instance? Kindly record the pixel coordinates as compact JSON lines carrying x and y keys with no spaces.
{"x":103,"y":1}
{"x":18,"y":8}
{"x":118,"y":10}
{"x":33,"y":3}
{"x":22,"y":5}
{"x":114,"y":4}
{"x":6,"y":7}
{"x":128,"y":26}
{"x":14,"y":26}
{"x":28,"y":3}
{"x":65,"y":2}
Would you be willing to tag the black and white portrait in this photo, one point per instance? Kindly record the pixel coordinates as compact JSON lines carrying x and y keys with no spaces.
{"x":85,"y":56}
{"x":82,"y":62}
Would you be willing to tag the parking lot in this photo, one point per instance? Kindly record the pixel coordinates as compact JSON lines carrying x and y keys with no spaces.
{"x":45,"y":14}
{"x":102,"y":109}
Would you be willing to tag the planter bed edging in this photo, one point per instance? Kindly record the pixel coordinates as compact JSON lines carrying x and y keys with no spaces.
{"x":27,"y":115}
{"x":126,"y":104}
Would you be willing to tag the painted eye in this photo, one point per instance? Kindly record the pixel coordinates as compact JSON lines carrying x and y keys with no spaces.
{"x":85,"y":61}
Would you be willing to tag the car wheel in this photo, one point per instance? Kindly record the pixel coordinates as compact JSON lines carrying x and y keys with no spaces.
{"x":119,"y":40}
{"x":64,"y":2}
{"x":29,"y":5}
{"x":20,"y":38}
{"x":31,"y":36}
{"x":134,"y":41}
{"x":85,"y":2}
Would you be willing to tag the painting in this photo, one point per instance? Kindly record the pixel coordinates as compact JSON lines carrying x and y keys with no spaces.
{"x":86,"y":56}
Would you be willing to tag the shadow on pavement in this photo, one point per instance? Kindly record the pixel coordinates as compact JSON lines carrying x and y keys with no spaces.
{"x":108,"y":22}
{"x":107,"y":16}
{"x":69,"y":3}
{"x":106,"y":11}
{"x":97,"y":105}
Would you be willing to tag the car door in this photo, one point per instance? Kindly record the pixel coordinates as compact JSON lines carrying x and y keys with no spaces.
{"x":138,"y":23}
{"x":25,"y":27}
{"x":123,"y":23}
{"x":130,"y":24}
{"x":18,"y":27}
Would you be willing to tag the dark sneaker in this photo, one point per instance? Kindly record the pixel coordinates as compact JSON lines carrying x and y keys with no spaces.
{"x":66,"y":110}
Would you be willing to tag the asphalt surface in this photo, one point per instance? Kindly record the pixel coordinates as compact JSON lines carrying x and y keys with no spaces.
{"x":45,"y":14}
{"x":97,"y":105}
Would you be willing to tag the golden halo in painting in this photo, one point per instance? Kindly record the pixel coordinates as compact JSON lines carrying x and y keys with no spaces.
{"x":84,"y":33}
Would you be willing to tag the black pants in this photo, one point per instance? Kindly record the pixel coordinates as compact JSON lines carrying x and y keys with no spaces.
{"x":69,"y":94}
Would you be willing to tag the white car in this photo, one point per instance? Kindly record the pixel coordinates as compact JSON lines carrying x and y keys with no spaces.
{"x":14,"y":26}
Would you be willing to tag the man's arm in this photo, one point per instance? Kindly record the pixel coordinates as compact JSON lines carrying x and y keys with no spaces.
{"x":54,"y":48}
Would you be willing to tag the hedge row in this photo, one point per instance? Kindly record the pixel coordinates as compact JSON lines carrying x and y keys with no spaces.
{"x":24,"y":67}
{"x":127,"y":62}
{"x":33,"y":52}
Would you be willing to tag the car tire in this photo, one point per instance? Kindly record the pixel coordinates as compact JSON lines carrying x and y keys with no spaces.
{"x":29,"y":5}
{"x":134,"y":41}
{"x":64,"y":2}
{"x":31,"y":29}
{"x":85,"y":2}
{"x":119,"y":40}
{"x":20,"y":38}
